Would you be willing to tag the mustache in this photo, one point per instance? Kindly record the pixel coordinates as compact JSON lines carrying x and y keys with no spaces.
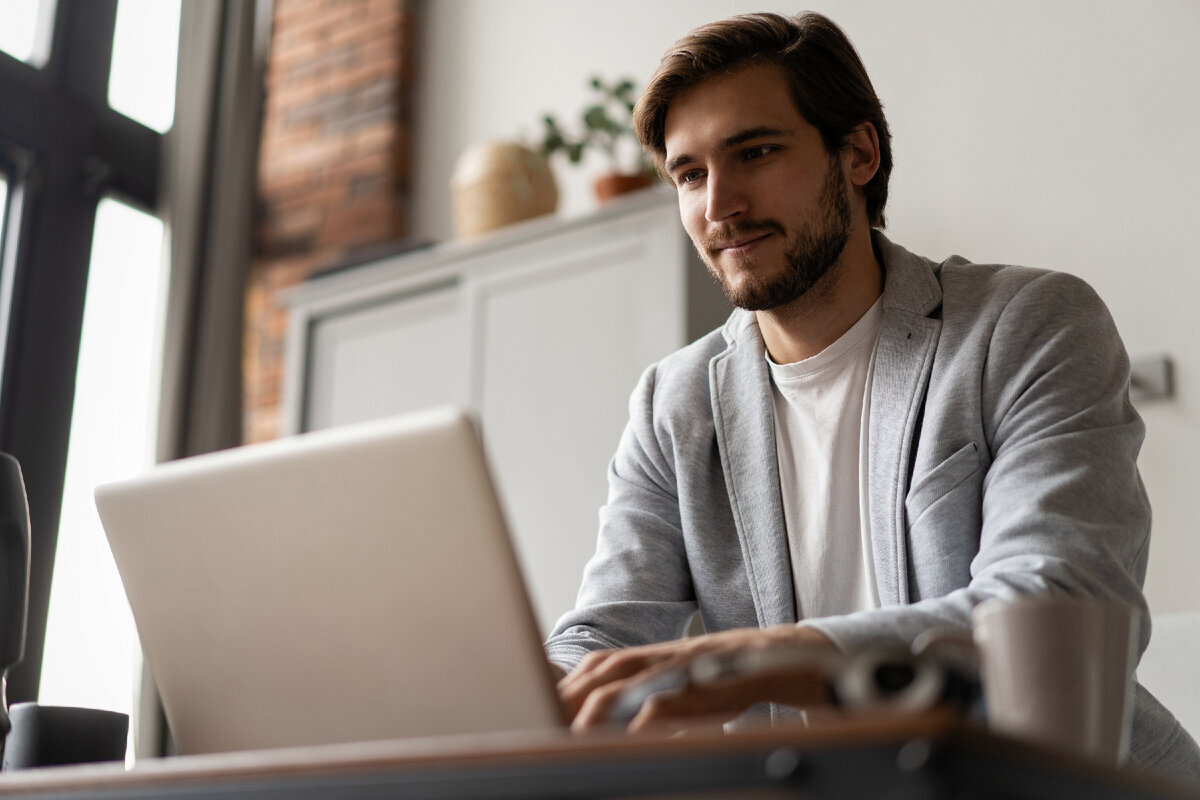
{"x":720,"y":237}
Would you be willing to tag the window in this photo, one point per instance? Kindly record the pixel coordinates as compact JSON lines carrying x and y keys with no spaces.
{"x":74,"y":201}
{"x":145,"y":46}
{"x":91,"y":656}
{"x":91,"y":653}
{"x":25,"y":32}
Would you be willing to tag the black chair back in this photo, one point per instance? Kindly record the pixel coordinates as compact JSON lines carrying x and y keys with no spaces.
{"x":14,"y":576}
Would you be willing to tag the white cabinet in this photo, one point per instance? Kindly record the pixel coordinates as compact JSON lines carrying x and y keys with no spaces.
{"x":541,"y":329}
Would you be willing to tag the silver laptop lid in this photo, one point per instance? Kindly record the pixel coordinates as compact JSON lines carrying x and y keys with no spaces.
{"x":345,"y":585}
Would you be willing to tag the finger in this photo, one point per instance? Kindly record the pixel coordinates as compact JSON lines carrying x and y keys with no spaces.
{"x":690,"y":703}
{"x":594,"y":674}
{"x":607,"y":668}
{"x":599,"y":659}
{"x":728,"y":698}
{"x":595,"y":708}
{"x":586,"y":665}
{"x":587,"y":673}
{"x":618,"y":701}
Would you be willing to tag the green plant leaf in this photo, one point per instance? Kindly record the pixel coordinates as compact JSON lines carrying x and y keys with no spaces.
{"x":596,"y":118}
{"x":606,"y":122}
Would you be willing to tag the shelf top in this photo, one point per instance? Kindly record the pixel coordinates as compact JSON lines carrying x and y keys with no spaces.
{"x":341,"y":280}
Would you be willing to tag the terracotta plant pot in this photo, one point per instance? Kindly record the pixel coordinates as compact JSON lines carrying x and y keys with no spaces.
{"x":616,"y":183}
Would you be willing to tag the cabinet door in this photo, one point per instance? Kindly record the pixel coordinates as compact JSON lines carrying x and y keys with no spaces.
{"x":562,"y":340}
{"x":394,"y":355}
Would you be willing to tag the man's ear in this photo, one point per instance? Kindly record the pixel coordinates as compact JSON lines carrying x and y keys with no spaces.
{"x":860,"y":151}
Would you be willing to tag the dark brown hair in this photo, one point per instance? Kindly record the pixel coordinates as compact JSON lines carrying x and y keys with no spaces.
{"x":827,"y":80}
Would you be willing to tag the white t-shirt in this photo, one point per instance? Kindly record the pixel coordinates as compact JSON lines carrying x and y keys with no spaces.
{"x":822,"y":414}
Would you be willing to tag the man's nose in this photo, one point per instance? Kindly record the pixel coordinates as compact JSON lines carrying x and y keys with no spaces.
{"x":726,"y":198}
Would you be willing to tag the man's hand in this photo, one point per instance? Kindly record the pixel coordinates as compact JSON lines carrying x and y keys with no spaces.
{"x":590,"y":692}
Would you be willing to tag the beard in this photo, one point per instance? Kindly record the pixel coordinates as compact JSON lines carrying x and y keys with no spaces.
{"x":810,"y":254}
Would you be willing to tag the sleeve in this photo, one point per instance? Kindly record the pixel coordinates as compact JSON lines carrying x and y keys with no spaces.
{"x":1063,"y":506}
{"x":637,"y":588}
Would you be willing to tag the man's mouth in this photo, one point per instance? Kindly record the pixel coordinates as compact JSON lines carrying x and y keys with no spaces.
{"x":740,"y":247}
{"x":736,"y":242}
{"x":735,"y":246}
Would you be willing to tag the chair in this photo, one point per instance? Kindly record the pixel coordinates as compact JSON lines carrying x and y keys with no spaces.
{"x":14,"y":576}
{"x":37,"y":735}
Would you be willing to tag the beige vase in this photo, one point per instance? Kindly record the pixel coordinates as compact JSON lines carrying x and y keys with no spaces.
{"x":497,"y":183}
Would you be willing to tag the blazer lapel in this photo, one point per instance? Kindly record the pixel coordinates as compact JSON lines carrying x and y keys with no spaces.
{"x":908,"y":339}
{"x":744,"y":420}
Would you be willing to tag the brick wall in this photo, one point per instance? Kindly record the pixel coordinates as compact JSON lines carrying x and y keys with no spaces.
{"x":333,"y":164}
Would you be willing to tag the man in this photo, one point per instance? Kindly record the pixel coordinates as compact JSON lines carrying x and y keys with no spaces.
{"x":873,"y":443}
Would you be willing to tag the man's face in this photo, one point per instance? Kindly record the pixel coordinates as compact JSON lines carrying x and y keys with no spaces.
{"x":763,"y":201}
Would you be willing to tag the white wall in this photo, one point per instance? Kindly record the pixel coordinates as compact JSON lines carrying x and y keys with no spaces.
{"x":1054,"y":133}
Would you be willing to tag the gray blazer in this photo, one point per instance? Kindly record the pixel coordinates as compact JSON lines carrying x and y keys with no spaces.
{"x":1003,"y":452}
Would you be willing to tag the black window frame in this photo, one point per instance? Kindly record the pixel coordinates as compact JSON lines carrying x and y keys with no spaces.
{"x":69,"y":149}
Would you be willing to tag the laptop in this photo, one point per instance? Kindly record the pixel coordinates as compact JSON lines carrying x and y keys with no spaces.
{"x":351,"y":584}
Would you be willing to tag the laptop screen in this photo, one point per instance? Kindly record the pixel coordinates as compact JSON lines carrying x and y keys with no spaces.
{"x":350,"y":584}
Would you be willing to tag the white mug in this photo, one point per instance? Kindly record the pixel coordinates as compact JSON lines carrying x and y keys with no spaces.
{"x":1058,"y":670}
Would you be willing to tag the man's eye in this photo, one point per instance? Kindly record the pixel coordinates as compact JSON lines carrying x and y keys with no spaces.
{"x":691,"y":176}
{"x":755,"y":153}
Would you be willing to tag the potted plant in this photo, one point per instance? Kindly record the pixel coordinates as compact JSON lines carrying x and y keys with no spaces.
{"x":607,"y":126}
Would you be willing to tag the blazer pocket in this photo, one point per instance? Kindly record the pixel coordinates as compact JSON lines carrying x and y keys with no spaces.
{"x":941,"y":481}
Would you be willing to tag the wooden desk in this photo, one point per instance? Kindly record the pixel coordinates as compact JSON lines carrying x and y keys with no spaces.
{"x":897,"y":759}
